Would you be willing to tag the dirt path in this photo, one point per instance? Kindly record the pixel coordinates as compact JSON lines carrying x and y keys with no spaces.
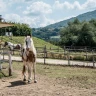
{"x":45,"y":87}
{"x":56,"y":61}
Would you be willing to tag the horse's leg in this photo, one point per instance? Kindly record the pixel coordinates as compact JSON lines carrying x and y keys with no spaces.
{"x":24,"y":71}
{"x":34,"y":71}
{"x":29,"y":72}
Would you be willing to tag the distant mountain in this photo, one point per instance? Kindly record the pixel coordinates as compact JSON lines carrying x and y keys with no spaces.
{"x":54,"y":29}
{"x":86,"y":16}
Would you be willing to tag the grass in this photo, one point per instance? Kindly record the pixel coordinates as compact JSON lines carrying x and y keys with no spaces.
{"x":55,"y":52}
{"x":39,"y":43}
{"x":73,"y":76}
{"x":20,"y":39}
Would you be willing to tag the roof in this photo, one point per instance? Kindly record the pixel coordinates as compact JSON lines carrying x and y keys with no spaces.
{"x":3,"y":24}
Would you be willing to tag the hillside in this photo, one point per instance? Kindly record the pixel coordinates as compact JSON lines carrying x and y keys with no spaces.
{"x":86,"y":16}
{"x":37,"y":42}
{"x":54,"y":29}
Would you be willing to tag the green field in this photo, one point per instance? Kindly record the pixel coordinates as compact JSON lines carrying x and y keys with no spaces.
{"x":54,"y":52}
{"x":20,"y":39}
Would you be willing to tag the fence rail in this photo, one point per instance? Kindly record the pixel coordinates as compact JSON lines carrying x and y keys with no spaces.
{"x":68,"y":54}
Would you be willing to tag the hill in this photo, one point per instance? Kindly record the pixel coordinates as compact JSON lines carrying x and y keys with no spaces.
{"x":54,"y":29}
{"x":86,"y":16}
{"x":20,"y":39}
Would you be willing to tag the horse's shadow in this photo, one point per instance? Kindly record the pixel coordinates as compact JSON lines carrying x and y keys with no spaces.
{"x":17,"y":83}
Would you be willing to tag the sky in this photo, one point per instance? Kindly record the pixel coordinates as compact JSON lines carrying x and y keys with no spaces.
{"x":40,"y":13}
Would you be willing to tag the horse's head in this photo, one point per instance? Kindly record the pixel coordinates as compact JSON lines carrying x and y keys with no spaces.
{"x":29,"y":45}
{"x":28,"y":42}
{"x":5,"y":44}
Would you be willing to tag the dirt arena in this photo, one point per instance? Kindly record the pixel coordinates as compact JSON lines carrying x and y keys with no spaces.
{"x":45,"y":87}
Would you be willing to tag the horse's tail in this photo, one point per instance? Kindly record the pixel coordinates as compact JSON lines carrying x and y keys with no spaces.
{"x":24,"y":69}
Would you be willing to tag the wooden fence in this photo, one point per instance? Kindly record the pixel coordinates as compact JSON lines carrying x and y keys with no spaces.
{"x":3,"y":52}
{"x":69,"y":53}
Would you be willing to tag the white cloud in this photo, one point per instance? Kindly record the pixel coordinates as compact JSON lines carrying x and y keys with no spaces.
{"x":11,"y":2}
{"x":37,"y":12}
{"x":28,"y":0}
{"x":75,"y":5}
{"x":66,"y":5}
{"x":43,"y":21}
{"x":89,"y":4}
{"x":38,"y":8}
{"x":12,"y":17}
{"x":19,"y":8}
{"x":39,"y":21}
{"x":18,"y":19}
{"x":14,"y":1}
{"x":2,"y":6}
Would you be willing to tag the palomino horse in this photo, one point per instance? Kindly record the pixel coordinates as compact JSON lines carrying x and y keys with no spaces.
{"x":29,"y":58}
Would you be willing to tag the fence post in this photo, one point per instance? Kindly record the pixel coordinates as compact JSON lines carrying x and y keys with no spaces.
{"x":93,"y":59}
{"x":68,"y":57}
{"x":13,"y":49}
{"x":50,"y":47}
{"x":10,"y":64}
{"x":45,"y":54}
{"x":58,"y":49}
{"x":86,"y":53}
{"x":64,"y":49}
{"x":0,"y":66}
{"x":0,"y":58}
{"x":3,"y":53}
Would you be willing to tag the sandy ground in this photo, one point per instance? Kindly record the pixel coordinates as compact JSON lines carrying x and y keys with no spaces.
{"x":44,"y":87}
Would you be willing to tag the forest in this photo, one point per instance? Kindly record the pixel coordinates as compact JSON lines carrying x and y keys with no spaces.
{"x":18,"y":30}
{"x":79,"y":33}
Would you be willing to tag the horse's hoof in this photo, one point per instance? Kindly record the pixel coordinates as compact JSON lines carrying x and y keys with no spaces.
{"x":29,"y":82}
{"x":24,"y":79}
{"x":35,"y":81}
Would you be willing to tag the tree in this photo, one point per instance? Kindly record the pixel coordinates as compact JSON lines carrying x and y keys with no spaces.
{"x":69,"y":34}
{"x":79,"y":33}
{"x":76,"y":21}
{"x":21,"y":29}
{"x":86,"y":36}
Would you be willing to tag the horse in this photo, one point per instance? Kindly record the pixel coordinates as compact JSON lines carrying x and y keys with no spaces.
{"x":29,"y":59}
{"x":12,"y":46}
{"x":1,"y":43}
